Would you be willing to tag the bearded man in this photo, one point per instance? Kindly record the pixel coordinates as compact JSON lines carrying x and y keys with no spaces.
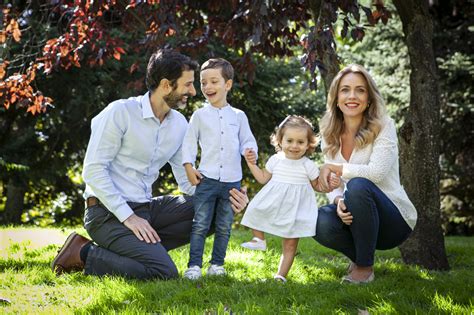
{"x":131,"y":140}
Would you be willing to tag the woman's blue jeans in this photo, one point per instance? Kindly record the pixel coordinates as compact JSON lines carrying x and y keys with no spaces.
{"x":376,"y":223}
{"x":211,"y":199}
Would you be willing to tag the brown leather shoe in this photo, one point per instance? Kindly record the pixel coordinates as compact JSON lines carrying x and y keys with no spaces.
{"x":69,"y":258}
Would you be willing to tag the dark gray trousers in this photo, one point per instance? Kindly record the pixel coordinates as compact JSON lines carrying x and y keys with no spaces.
{"x":120,"y":252}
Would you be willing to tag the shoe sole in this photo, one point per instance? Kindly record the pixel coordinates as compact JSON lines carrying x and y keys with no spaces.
{"x":58,"y":269}
{"x":262,"y":249}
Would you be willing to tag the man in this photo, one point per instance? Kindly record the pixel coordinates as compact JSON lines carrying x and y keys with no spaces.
{"x":131,"y":141}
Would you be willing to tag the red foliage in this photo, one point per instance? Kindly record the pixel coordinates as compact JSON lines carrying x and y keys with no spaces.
{"x":271,"y":28}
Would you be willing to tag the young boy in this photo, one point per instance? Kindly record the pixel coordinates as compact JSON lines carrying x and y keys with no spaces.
{"x":223,"y":133}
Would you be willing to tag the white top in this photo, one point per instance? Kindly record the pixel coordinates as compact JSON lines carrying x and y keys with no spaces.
{"x":127,"y":148}
{"x":286,"y":206}
{"x":377,"y":162}
{"x":223,"y":135}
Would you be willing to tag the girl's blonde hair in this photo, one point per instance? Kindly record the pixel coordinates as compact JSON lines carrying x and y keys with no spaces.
{"x":331,"y":125}
{"x":294,"y":121}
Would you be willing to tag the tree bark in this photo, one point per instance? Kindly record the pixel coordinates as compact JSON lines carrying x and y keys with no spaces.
{"x":329,"y":59}
{"x":420,"y":139}
{"x":15,"y":202}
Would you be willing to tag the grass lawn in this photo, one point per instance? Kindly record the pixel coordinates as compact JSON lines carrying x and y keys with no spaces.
{"x":313,"y":287}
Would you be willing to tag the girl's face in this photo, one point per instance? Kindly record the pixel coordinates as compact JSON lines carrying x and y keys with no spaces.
{"x":353,"y":95}
{"x":294,"y":143}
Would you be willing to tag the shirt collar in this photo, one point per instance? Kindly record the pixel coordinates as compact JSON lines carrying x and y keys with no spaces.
{"x":147,"y":111}
{"x":207,"y":104}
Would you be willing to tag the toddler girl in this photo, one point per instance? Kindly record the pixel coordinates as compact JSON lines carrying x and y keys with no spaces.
{"x":286,"y":205}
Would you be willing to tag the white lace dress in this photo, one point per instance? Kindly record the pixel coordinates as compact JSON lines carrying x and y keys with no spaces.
{"x":286,"y":205}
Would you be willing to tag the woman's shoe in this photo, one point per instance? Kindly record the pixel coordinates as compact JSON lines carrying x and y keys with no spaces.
{"x":255,"y":244}
{"x":349,"y":279}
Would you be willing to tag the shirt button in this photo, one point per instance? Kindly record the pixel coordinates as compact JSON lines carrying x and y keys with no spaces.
{"x":222,"y":132}
{"x":220,"y":117}
{"x":221,"y":166}
{"x":222,"y":149}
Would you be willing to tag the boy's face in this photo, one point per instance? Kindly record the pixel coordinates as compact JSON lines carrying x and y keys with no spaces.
{"x":214,"y":87}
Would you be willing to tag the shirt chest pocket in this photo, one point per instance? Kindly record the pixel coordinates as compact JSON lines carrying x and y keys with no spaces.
{"x":233,"y":130}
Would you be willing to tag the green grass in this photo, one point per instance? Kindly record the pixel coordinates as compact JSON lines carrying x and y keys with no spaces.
{"x":313,"y":286}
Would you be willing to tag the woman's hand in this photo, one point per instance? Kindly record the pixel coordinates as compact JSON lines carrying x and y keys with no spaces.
{"x":342,"y":212}
{"x":325,"y":175}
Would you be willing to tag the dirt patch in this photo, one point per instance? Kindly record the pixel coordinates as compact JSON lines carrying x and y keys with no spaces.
{"x":34,"y":238}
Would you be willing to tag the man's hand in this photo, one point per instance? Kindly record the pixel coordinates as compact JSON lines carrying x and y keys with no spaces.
{"x":142,"y":229}
{"x":194,"y":176}
{"x":250,"y":156}
{"x":238,"y":199}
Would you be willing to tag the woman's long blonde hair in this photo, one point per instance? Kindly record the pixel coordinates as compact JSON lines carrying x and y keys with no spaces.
{"x":331,"y":125}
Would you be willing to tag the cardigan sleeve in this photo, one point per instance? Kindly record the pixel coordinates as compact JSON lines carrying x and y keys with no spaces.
{"x":384,"y":155}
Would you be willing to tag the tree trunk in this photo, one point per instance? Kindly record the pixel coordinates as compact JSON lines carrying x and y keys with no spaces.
{"x":420,"y":139}
{"x":329,"y":59}
{"x":15,"y":202}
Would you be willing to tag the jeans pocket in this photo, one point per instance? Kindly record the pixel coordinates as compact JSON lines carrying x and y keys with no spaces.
{"x":95,"y":216}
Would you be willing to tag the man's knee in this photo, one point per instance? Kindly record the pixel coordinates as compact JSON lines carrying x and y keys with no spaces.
{"x":162,"y":272}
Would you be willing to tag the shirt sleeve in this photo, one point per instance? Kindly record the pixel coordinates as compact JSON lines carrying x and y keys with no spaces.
{"x":180,"y":173}
{"x":384,"y":155}
{"x":270,"y":165}
{"x":190,"y":142}
{"x":311,"y":169}
{"x":338,"y":191}
{"x":108,"y":129}
{"x":246,"y":138}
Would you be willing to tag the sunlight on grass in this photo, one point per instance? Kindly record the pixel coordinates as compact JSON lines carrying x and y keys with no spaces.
{"x":446,"y":304}
{"x":313,"y":284}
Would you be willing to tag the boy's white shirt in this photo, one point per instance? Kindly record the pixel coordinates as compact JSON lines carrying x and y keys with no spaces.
{"x":223,"y":135}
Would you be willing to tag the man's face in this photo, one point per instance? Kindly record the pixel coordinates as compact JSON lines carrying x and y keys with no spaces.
{"x":183,"y":89}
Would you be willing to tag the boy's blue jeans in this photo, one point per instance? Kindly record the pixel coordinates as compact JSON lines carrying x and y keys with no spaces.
{"x":211,"y":199}
{"x":376,"y":224}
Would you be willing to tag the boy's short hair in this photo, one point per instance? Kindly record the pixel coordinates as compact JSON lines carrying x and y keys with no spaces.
{"x":215,"y":63}
{"x":167,"y":64}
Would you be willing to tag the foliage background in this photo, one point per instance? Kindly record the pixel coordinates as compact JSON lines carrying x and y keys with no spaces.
{"x":41,"y":156}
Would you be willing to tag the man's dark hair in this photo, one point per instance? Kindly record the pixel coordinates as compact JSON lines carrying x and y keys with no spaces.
{"x":227,"y":70}
{"x":167,"y":64}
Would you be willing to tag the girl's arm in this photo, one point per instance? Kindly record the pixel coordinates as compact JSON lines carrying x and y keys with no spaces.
{"x":262,"y":176}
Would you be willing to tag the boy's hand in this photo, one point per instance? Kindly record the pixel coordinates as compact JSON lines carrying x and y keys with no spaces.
{"x":250,"y":156}
{"x":194,"y":176}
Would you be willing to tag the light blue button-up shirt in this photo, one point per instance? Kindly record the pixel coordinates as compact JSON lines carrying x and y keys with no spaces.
{"x":223,"y":135}
{"x":127,"y":149}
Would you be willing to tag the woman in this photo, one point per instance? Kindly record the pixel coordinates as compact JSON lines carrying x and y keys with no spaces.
{"x":370,"y":210}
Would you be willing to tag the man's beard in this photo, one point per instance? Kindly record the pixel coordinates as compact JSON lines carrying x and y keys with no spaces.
{"x":174,"y":100}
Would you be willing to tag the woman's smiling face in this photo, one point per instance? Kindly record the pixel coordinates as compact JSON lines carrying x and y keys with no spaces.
{"x":353,"y":95}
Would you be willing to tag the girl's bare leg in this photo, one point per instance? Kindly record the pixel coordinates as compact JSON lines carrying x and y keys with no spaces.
{"x":289,"y":246}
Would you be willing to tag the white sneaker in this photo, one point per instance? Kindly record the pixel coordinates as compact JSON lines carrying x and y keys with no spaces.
{"x":215,"y":270}
{"x":255,"y":244}
{"x":193,"y":273}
